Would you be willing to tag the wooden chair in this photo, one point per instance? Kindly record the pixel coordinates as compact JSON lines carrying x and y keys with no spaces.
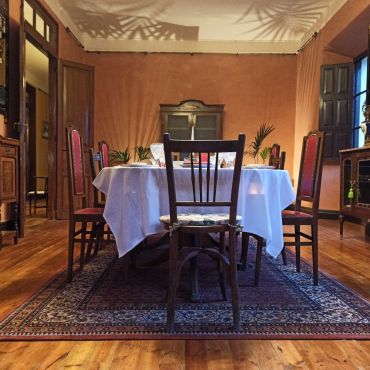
{"x":104,"y":152}
{"x":277,"y":159}
{"x":78,"y":210}
{"x":203,"y":187}
{"x":308,"y":191}
{"x":39,"y":192}
{"x":95,"y":160}
{"x":309,"y":182}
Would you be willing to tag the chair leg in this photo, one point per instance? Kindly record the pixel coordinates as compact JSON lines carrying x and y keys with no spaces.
{"x":315,"y":253}
{"x":222,"y":268}
{"x":71,"y":232}
{"x":83,"y":241}
{"x":283,"y":255}
{"x":258,"y":261}
{"x":234,"y":280}
{"x":172,"y":286}
{"x":244,"y":255}
{"x":297,"y":238}
{"x":92,"y":239}
{"x":30,"y":204}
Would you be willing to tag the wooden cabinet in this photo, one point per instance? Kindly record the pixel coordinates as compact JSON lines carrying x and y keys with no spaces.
{"x":355,"y":186}
{"x":9,"y":194}
{"x":179,"y":119}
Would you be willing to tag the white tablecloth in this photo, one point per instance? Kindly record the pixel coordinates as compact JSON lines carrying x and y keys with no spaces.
{"x":137,"y":197}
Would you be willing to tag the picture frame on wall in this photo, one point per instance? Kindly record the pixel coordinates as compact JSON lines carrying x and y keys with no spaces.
{"x":45,"y":129}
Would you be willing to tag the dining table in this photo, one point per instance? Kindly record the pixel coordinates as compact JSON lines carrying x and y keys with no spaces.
{"x":136,"y":197}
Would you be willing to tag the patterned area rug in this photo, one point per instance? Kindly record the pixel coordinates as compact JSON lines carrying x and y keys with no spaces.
{"x":99,"y":304}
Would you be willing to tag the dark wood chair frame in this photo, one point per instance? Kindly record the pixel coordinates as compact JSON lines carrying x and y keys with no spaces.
{"x":277,"y":159}
{"x":95,"y":158}
{"x":179,"y":256}
{"x":297,"y":218}
{"x":310,"y":216}
{"x":79,"y":212}
{"x":36,"y":194}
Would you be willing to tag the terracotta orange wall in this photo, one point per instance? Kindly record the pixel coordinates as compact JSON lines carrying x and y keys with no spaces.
{"x":318,"y":52}
{"x":254,"y":88}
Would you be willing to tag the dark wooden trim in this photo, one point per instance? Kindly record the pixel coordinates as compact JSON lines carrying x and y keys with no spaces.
{"x":60,"y":126}
{"x":52,"y":144}
{"x":53,"y":24}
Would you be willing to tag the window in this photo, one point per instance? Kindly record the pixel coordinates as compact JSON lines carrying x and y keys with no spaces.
{"x":359,"y":99}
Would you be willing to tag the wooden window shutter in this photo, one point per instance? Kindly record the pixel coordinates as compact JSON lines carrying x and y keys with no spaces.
{"x":336,"y":108}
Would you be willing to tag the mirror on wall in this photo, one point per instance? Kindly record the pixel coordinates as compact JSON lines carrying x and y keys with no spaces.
{"x":3,"y":57}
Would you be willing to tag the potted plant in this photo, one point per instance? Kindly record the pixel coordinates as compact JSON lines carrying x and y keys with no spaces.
{"x":143,"y":153}
{"x":255,"y":148}
{"x":120,"y":156}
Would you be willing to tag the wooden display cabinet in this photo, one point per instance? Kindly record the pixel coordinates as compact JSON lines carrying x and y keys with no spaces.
{"x":178,"y":120}
{"x":9,"y":194}
{"x":355,"y":186}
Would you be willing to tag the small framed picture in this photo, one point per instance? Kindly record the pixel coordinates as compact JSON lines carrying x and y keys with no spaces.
{"x":45,"y":129}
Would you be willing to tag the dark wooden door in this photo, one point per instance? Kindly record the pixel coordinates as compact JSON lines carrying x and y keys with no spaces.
{"x":336,"y":108}
{"x":76,"y":92}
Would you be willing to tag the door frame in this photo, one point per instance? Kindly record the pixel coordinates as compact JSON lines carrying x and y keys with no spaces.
{"x":60,"y":133}
{"x":26,"y":32}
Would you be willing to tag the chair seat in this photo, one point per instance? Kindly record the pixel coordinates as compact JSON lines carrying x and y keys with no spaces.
{"x":292,"y":217}
{"x":197,"y":219}
{"x":89,"y":214}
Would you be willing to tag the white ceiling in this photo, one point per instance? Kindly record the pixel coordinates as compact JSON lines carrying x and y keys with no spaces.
{"x":223,"y":26}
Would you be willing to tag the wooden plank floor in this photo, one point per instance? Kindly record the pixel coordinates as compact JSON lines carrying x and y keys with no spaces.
{"x":35,"y":260}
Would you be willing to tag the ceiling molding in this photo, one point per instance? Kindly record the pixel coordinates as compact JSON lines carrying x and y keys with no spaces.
{"x":332,"y":10}
{"x":66,"y":20}
{"x":224,"y":47}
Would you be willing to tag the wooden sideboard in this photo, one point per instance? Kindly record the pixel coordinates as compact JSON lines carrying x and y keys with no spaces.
{"x":178,"y":120}
{"x":355,"y":186}
{"x":9,"y":189}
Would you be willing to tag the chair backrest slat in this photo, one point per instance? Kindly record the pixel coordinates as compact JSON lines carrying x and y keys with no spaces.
{"x":205,"y":147}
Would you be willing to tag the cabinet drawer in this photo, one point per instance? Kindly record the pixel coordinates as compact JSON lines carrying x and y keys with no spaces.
{"x":8,"y":151}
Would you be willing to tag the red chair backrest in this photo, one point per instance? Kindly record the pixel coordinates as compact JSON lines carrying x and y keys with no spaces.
{"x":77,"y":163}
{"x":76,"y":170}
{"x":104,"y":150}
{"x":309,"y":181}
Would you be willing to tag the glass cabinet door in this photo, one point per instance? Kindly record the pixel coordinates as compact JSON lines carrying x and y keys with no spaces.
{"x":348,"y":188}
{"x":363,"y":187}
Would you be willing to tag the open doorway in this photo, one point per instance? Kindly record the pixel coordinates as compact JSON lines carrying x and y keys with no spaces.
{"x":37,"y":118}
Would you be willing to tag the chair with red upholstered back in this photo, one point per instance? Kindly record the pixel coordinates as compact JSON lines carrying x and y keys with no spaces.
{"x":104,"y":152}
{"x":308,"y":190}
{"x":277,"y":159}
{"x":309,"y":182}
{"x":78,"y":210}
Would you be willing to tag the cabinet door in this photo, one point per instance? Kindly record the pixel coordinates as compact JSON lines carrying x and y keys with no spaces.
{"x":347,"y":184}
{"x":207,"y":126}
{"x":178,"y":125}
{"x":363,"y":181}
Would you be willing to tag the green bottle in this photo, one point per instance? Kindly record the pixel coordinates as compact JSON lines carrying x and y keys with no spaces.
{"x":350,"y":193}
